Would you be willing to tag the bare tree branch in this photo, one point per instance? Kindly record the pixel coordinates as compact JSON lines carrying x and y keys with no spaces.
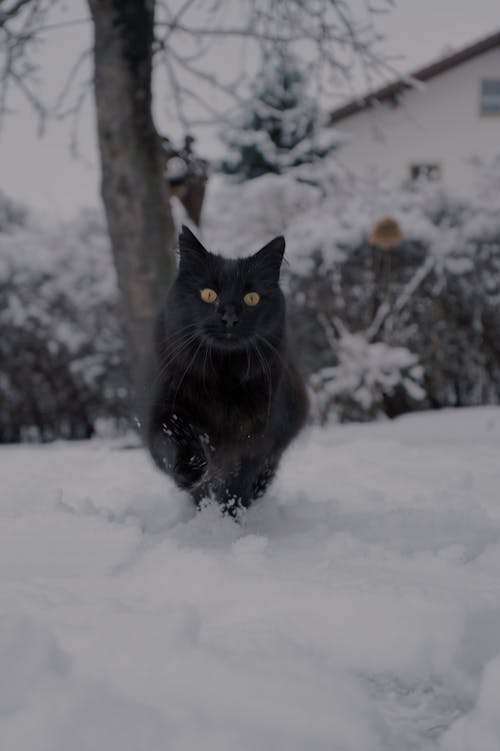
{"x":23,"y":26}
{"x":14,"y":10}
{"x":18,"y":28}
{"x":326,"y":35}
{"x":331,"y":39}
{"x":71,"y":78}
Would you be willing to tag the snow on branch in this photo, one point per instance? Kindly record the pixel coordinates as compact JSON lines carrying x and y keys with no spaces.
{"x":366,"y":373}
{"x":385,"y":310}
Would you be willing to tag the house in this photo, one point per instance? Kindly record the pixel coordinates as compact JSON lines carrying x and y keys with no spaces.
{"x":430,"y":123}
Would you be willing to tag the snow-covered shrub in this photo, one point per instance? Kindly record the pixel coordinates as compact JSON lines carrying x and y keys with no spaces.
{"x":61,"y":348}
{"x":367,"y":374}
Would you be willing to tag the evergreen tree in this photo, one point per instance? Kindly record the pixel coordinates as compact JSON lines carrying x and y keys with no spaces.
{"x":281,"y":127}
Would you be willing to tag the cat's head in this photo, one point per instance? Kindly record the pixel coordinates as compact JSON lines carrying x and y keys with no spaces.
{"x":230,"y":302}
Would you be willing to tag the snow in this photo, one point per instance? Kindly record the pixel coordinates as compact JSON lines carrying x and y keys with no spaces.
{"x":356,"y":608}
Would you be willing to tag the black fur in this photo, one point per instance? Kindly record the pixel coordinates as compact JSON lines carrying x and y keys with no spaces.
{"x":228,"y":398}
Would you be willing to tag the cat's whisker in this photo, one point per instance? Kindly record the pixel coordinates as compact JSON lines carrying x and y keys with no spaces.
{"x":267,"y":376}
{"x":176,"y":348}
{"x":174,"y":339}
{"x":170,"y":347}
{"x":204,"y":368}
{"x":247,"y":350}
{"x":266,"y":341}
{"x":185,"y":373}
{"x":181,"y":330}
{"x":210,"y":356}
{"x":179,"y":345}
{"x":175,"y":353}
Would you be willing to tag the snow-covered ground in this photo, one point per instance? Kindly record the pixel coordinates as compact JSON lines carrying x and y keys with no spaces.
{"x":356,"y":608}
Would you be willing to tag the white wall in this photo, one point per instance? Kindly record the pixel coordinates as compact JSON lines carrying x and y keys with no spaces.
{"x":441,"y":123}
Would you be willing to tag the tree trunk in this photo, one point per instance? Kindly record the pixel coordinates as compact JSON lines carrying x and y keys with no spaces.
{"x":134,"y":191}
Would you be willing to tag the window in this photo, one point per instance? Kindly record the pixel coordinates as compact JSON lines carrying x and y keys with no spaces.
{"x":428,"y":170}
{"x":490,"y":96}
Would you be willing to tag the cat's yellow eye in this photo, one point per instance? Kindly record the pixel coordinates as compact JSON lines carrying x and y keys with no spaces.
{"x":251,"y":298}
{"x":208,"y":295}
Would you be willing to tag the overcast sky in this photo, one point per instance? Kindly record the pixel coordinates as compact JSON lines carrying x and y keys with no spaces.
{"x":41,"y":172}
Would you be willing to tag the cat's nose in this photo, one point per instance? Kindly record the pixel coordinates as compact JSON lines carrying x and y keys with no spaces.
{"x":229,"y":316}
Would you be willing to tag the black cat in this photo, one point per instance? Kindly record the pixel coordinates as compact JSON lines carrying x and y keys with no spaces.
{"x":228,"y":398}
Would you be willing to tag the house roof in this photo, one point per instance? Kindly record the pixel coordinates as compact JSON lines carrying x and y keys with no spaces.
{"x":392,"y":90}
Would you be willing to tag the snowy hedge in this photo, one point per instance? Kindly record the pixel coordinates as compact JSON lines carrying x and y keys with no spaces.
{"x":61,"y":349}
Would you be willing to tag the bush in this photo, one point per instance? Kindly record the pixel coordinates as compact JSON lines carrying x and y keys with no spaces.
{"x":62,"y":349}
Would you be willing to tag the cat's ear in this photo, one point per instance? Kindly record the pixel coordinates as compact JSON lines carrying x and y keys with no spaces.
{"x":189,"y":245}
{"x":271,"y":255}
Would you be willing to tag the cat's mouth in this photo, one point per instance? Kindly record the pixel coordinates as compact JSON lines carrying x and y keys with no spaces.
{"x":226,"y":340}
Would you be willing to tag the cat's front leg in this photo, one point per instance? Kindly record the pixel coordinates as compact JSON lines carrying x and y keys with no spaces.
{"x":163,"y":447}
{"x":247,"y":482}
{"x":176,"y":449}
